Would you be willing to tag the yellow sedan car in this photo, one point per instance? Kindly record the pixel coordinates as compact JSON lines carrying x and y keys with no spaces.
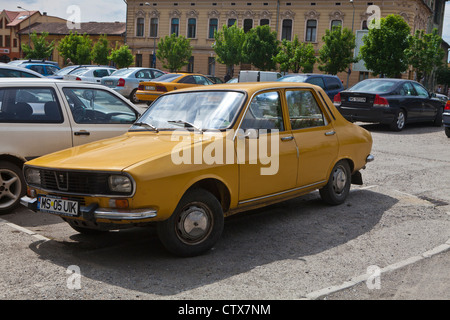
{"x":199,"y":155}
{"x":148,"y":91}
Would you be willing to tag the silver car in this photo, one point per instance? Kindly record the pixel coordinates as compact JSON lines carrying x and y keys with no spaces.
{"x":12,"y":71}
{"x":126,"y":81}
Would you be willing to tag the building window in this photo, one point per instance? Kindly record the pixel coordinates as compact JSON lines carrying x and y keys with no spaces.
{"x":364,"y":25}
{"x":248,"y":25}
{"x":211,"y":66}
{"x":138,"y":60}
{"x":140,"y":27}
{"x":311,"y":30}
{"x":153,"y":27}
{"x":231,"y":22}
{"x":213,"y":23}
{"x":336,"y":23}
{"x":363,"y":76}
{"x":1,"y":40}
{"x":286,"y":31}
{"x":264,"y":22}
{"x":174,"y":26}
{"x":7,"y":41}
{"x":190,"y":67}
{"x":15,"y":43}
{"x":192,"y":25}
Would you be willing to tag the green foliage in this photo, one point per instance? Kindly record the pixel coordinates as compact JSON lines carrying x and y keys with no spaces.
{"x":100,"y":51}
{"x":443,"y":75}
{"x":296,"y":56}
{"x":260,"y":47}
{"x":384,"y":48}
{"x":76,"y":47}
{"x":337,"y":52}
{"x":40,"y":48}
{"x":228,"y":46}
{"x":174,"y":51}
{"x":122,"y":56}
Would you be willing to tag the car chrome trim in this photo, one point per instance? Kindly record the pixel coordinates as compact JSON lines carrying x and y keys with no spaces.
{"x":370,"y":158}
{"x":281,"y":193}
{"x":121,"y":214}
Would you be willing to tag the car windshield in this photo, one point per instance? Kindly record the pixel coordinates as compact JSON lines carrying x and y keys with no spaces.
{"x":122,"y":72}
{"x":205,"y":110}
{"x":79,"y":71}
{"x":374,"y":86}
{"x":292,"y":78}
{"x":64,"y":71}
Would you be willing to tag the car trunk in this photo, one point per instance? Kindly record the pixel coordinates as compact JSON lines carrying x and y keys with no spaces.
{"x":358,"y":99}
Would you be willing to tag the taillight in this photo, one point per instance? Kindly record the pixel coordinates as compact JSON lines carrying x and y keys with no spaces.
{"x":121,"y":82}
{"x":447,"y":106}
{"x":141,"y":87}
{"x":337,"y":100}
{"x":78,"y":79}
{"x":380,"y":102}
{"x":161,"y":88}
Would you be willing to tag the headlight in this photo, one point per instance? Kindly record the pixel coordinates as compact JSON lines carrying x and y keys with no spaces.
{"x":32,"y":176}
{"x":120,"y":183}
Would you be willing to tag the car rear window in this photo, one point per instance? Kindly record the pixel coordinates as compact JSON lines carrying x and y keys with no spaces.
{"x":374,"y":86}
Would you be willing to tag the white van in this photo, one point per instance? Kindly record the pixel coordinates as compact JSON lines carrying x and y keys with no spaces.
{"x":258,"y":76}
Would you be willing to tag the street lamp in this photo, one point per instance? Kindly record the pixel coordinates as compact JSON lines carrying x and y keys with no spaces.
{"x":353,"y":23}
{"x":29,"y":24}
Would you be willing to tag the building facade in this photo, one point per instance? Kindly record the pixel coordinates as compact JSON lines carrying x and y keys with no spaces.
{"x":148,"y":22}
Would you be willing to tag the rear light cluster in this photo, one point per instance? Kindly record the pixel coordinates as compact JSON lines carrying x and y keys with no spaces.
{"x":337,"y":100}
{"x":141,"y":87}
{"x":380,"y":102}
{"x":78,"y":79}
{"x":447,"y":106}
{"x":121,"y":82}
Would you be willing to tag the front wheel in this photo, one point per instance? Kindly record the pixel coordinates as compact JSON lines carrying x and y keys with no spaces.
{"x":195,"y":225}
{"x":337,"y":189}
{"x":447,"y":132}
{"x":12,"y":186}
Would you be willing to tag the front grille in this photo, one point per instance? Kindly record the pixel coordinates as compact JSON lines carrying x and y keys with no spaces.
{"x":75,"y":182}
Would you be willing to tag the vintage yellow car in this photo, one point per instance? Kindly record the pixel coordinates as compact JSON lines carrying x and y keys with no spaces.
{"x":199,"y":155}
{"x":148,"y":91}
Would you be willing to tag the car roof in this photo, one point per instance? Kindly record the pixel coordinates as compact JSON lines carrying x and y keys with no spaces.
{"x":309,"y":74}
{"x":19,"y":68}
{"x":45,"y":81}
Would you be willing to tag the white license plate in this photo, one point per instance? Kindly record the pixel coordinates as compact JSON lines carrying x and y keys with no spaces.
{"x":357,"y":99}
{"x":108,"y":83}
{"x":150,"y":88}
{"x":58,"y":206}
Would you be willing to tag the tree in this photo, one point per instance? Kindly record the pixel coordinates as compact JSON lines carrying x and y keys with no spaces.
{"x":425,"y":55}
{"x":174,"y":51}
{"x":228,"y":46}
{"x":384,"y":47}
{"x":337,"y":52}
{"x":40,"y":49}
{"x":100,"y":51}
{"x":261,"y":47}
{"x":76,"y":47}
{"x":122,"y":56}
{"x":296,"y":56}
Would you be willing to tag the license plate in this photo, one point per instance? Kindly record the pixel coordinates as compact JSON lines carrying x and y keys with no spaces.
{"x":150,"y":88}
{"x":357,"y":99}
{"x":58,"y":206}
{"x":108,"y":83}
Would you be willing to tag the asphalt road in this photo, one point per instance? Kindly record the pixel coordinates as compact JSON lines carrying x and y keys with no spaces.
{"x":390,"y":240}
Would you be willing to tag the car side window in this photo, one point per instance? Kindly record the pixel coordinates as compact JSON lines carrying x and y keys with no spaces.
{"x":304,"y":112}
{"x":143,"y":74}
{"x":7,"y":73}
{"x":27,"y":75}
{"x":333,"y":83}
{"x":157,"y":74}
{"x":96,"y":106}
{"x":38,"y":69}
{"x":100,"y":73}
{"x":30,"y":105}
{"x":421,"y":91}
{"x":317,"y":81}
{"x":264,"y":112}
{"x":51,"y":70}
{"x":407,"y":90}
{"x":202,"y":80}
{"x":188,"y":79}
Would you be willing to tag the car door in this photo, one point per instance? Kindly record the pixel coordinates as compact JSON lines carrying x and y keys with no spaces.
{"x":314,"y":134}
{"x":266,"y":151}
{"x":96,"y":114}
{"x":428,"y":108}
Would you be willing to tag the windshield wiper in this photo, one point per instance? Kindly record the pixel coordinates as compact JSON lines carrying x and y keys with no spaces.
{"x":148,"y":125}
{"x":186,"y":124}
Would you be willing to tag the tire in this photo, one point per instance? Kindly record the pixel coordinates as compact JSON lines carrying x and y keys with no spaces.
{"x":337,"y":189}
{"x":438,"y":120}
{"x":399,"y":122}
{"x":447,"y":132}
{"x":195,"y":225}
{"x":12,"y":186}
{"x":133,"y":97}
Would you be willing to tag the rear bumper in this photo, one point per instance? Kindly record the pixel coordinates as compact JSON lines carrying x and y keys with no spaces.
{"x":93,"y":212}
{"x":375,"y":114}
{"x":446,"y":119}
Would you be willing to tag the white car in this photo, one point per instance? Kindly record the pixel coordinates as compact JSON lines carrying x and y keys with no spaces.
{"x":90,"y":74}
{"x":40,"y":116}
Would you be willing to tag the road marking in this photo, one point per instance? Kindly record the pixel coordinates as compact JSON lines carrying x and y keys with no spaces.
{"x":24,"y":230}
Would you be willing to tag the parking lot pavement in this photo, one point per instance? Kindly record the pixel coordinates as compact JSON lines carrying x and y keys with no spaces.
{"x":397,"y":224}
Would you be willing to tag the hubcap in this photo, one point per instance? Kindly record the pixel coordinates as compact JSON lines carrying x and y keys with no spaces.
{"x":339,"y":180}
{"x":194,"y":224}
{"x":10,"y":188}
{"x":401,"y":120}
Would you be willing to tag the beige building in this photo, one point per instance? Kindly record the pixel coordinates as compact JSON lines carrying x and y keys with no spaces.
{"x":147,"y":22}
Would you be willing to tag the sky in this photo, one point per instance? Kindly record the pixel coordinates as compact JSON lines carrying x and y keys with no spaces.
{"x":113,"y":10}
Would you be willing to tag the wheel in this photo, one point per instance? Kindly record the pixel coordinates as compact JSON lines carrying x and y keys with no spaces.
{"x":338,"y":187}
{"x":195,"y":225}
{"x":447,"y":132}
{"x":133,"y":97}
{"x":438,"y":120}
{"x":399,"y":121}
{"x":12,"y":186}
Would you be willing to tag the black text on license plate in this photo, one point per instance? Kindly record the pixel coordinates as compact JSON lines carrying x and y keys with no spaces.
{"x":108,"y":83}
{"x":58,"y":206}
{"x":357,"y":99}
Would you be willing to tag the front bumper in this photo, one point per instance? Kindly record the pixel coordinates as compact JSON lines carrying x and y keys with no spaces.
{"x":93,"y":213}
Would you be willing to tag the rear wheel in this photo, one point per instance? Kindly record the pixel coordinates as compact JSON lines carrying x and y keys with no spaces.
{"x":399,"y":121}
{"x":133,"y":96}
{"x":12,"y":186}
{"x":337,"y":189}
{"x":195,"y":226}
{"x":438,"y":120}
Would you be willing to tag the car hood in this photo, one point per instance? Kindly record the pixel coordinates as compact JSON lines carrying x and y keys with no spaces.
{"x":118,"y":153}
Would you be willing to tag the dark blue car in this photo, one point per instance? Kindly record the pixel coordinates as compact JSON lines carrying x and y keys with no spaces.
{"x":332,"y":85}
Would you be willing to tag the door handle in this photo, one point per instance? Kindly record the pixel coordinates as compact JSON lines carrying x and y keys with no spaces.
{"x":330,"y":133}
{"x":82,"y":133}
{"x":287,"y":138}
